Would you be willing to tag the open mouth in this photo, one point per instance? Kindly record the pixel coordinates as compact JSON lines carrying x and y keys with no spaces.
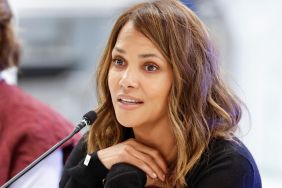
{"x":129,"y":101}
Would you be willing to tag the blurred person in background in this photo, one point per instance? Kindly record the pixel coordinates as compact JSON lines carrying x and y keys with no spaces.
{"x":165,"y":116}
{"x":28,"y":128}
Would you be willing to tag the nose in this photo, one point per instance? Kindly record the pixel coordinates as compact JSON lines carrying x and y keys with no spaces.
{"x":129,"y":79}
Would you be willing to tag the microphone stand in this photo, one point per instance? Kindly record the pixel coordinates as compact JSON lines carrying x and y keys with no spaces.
{"x":43,"y":156}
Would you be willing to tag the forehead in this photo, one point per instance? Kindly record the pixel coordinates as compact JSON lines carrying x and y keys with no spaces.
{"x":129,"y":29}
{"x":129,"y":35}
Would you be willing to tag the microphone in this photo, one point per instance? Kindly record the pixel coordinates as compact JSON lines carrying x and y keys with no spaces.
{"x":88,"y":119}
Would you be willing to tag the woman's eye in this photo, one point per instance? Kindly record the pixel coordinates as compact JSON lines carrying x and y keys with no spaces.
{"x":151,"y":67}
{"x":118,"y":62}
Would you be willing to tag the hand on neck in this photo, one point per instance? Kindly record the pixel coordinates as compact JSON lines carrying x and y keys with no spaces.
{"x":160,"y":138}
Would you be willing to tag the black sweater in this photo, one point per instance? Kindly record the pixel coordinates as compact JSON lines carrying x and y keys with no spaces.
{"x":225,"y":164}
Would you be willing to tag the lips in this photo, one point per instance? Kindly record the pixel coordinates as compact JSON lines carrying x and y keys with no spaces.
{"x":128,"y":100}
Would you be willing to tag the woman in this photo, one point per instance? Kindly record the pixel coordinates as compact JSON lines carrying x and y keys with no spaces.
{"x":163,"y":109}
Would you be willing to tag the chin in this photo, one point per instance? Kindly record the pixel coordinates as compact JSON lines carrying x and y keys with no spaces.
{"x":128,"y":122}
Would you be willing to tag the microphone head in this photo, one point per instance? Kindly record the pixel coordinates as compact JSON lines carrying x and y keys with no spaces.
{"x":90,"y":117}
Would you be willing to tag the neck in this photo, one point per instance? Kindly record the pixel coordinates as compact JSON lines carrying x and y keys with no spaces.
{"x":158,"y":136}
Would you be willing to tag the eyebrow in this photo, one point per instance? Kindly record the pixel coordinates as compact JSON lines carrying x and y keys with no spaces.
{"x":140,"y":55}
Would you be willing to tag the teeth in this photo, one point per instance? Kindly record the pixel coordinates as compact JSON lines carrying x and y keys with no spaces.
{"x":129,"y":100}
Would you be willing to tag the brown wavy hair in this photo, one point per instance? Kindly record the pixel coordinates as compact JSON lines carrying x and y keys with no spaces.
{"x":201,"y":107}
{"x":9,"y":47}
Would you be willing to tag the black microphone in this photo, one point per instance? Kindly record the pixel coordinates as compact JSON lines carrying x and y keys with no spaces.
{"x":88,"y":119}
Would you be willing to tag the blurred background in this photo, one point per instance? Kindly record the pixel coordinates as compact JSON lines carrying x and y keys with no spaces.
{"x":62,"y":42}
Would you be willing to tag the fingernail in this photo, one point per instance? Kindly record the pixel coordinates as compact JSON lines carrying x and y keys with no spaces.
{"x":163,"y":177}
{"x":154,"y":175}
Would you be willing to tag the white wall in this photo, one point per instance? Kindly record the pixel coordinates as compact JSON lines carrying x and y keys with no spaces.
{"x":256,"y":30}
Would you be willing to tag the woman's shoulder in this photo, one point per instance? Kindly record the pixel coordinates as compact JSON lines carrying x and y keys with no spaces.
{"x":234,"y":150}
{"x":228,"y":148}
{"x":228,"y":163}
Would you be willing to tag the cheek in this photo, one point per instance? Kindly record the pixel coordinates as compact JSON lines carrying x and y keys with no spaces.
{"x":112,"y":80}
{"x":160,"y":89}
{"x":159,"y":95}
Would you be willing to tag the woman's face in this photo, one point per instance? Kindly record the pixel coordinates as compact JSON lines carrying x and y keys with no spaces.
{"x":139,"y":80}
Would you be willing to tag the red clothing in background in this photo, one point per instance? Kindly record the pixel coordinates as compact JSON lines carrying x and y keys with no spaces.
{"x":28,"y":128}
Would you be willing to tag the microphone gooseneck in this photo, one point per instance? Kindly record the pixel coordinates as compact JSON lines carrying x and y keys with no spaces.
{"x":88,"y":119}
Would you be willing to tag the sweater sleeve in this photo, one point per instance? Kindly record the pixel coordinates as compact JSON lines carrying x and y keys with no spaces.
{"x":125,"y":176}
{"x":78,"y":175}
